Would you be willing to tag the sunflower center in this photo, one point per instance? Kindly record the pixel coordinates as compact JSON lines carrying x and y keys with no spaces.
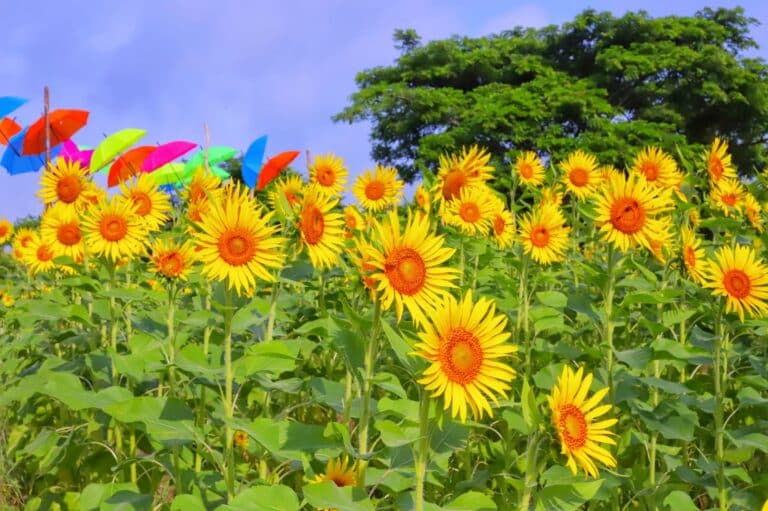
{"x":25,"y":241}
{"x":627,"y":215}
{"x":44,"y":254}
{"x":113,"y":227}
{"x":405,"y":269}
{"x":498,"y":225}
{"x":171,"y":264}
{"x":469,"y":212}
{"x":526,"y":170}
{"x":690,"y":257}
{"x":351,"y":222}
{"x":312,"y":224}
{"x":461,"y":356}
{"x":421,"y":200}
{"x":650,"y":169}
{"x":573,"y":426}
{"x":292,"y":198}
{"x":142,"y":202}
{"x":4,"y":230}
{"x":737,"y":283}
{"x":453,"y":183}
{"x":716,"y":167}
{"x":68,"y":188}
{"x":326,"y":176}
{"x":237,"y":246}
{"x":540,"y":236}
{"x":69,"y":234}
{"x":579,"y":176}
{"x":729,"y":199}
{"x":197,"y":192}
{"x":374,"y":190}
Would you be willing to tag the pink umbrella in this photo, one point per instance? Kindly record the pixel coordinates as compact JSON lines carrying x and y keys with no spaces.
{"x":166,"y":153}
{"x":71,"y":152}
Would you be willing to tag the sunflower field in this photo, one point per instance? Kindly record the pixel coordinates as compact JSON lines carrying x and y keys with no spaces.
{"x":592,"y":338}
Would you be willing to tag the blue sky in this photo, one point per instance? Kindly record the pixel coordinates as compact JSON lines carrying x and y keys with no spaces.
{"x":245,"y":68}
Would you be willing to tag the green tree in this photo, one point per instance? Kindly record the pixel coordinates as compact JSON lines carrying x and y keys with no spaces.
{"x":604,"y":84}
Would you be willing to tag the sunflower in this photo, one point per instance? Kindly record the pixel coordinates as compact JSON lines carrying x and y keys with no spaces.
{"x":693,"y":254}
{"x":339,"y":472}
{"x":362,"y":260}
{"x":236,"y":242}
{"x":329,"y":173}
{"x":378,"y":190}
{"x":581,"y":177}
{"x":60,"y":229}
{"x":457,"y":171}
{"x":753,"y":211}
{"x":503,"y":227}
{"x":289,"y":187}
{"x":544,"y":234}
{"x":551,"y":195}
{"x":320,"y":228}
{"x":113,"y":230}
{"x":529,"y":169}
{"x":353,"y":221}
{"x":409,"y":266}
{"x":38,"y":257}
{"x":662,"y":245}
{"x":422,"y":198}
{"x":241,"y":440}
{"x":607,"y":171}
{"x":719,"y":165}
{"x":21,"y":240}
{"x":658,"y":168}
{"x":463,"y":341}
{"x":471,"y":211}
{"x":738,"y":275}
{"x":573,"y":416}
{"x":171,"y":259}
{"x":65,"y":181}
{"x":202,"y":187}
{"x":152,"y":204}
{"x":727,"y":195}
{"x":6,"y":231}
{"x":8,"y":300}
{"x":629,"y":209}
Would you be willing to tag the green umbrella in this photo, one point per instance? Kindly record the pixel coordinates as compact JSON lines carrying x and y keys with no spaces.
{"x":173,"y":173}
{"x":216,"y":154}
{"x":112,"y":146}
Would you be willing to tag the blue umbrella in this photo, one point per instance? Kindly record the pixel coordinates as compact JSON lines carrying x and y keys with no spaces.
{"x":10,"y":103}
{"x":252,"y":161}
{"x":15,"y":163}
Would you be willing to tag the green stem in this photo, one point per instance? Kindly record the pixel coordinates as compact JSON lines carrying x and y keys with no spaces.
{"x":272,"y":312}
{"x":719,"y":373}
{"x":348,"y":397}
{"x":132,"y":450}
{"x":474,"y":273}
{"x":522,"y":318}
{"x":421,"y":456}
{"x":229,"y":408}
{"x":369,"y":366}
{"x":608,"y":332}
{"x":171,"y":339}
{"x":655,"y":435}
{"x":531,"y":461}
{"x":201,"y":415}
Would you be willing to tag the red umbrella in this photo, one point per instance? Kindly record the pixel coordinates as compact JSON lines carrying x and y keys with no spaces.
{"x":8,"y":128}
{"x":129,"y":164}
{"x":274,"y":167}
{"x":166,"y":153}
{"x":62,"y":125}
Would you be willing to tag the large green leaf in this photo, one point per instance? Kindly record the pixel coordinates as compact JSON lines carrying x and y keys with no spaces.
{"x":263,"y":498}
{"x":327,"y":495}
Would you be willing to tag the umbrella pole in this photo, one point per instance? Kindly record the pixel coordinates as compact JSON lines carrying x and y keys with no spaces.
{"x":46,"y":107}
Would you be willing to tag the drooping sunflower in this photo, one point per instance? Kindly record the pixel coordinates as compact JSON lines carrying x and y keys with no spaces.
{"x":353,"y":221}
{"x":503,"y":228}
{"x":329,"y":173}
{"x":463,"y":341}
{"x":658,"y":167}
{"x":580,"y":174}
{"x":60,"y":229}
{"x":719,"y":165}
{"x":737,"y":274}
{"x":202,"y":187}
{"x":21,"y":240}
{"x":606,"y":171}
{"x":409,"y":264}
{"x":529,"y":169}
{"x":38,"y":257}
{"x":459,"y":170}
{"x":289,"y":187}
{"x":65,"y":181}
{"x":663,"y":244}
{"x":544,"y":234}
{"x":728,"y":196}
{"x":320,"y":227}
{"x":236,"y":242}
{"x":551,"y":195}
{"x":422,"y":198}
{"x":152,"y":204}
{"x":361,"y":259}
{"x":339,"y":471}
{"x":573,"y":416}
{"x":471,"y":211}
{"x":753,"y":210}
{"x":693,"y":254}
{"x":629,"y":211}
{"x":6,"y":231}
{"x":113,"y":230}
{"x":171,"y":259}
{"x":378,"y":189}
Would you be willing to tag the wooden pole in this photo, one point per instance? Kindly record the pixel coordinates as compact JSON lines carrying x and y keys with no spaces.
{"x":46,"y":107}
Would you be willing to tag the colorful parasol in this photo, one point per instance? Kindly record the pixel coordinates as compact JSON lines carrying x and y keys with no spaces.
{"x":62,"y":124}
{"x":216,"y":154}
{"x":8,"y":128}
{"x":252,"y":161}
{"x":129,"y":164}
{"x":15,"y":163}
{"x":72,"y":152}
{"x":166,"y":153}
{"x":274,"y":167}
{"x":10,"y":103}
{"x":113,"y":145}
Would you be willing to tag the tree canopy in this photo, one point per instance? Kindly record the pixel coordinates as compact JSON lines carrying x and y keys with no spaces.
{"x":600,"y":83}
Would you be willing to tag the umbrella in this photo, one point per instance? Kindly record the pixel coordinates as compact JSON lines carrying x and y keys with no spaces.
{"x":166,"y":153}
{"x":216,"y":154}
{"x":274,"y":167}
{"x":15,"y":163}
{"x":10,"y":103}
{"x":129,"y":164}
{"x":252,"y":160}
{"x":113,"y":145}
{"x":62,"y":124}
{"x":72,"y":152}
{"x":8,"y":128}
{"x":174,"y":173}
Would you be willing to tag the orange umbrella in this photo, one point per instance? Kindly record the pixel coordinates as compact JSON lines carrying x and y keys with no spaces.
{"x":62,"y":125}
{"x":274,"y":167}
{"x":8,"y":128}
{"x":129,"y":164}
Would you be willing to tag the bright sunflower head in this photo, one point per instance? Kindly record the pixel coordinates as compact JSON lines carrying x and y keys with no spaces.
{"x":551,"y":195}
{"x":629,"y":209}
{"x":463,"y":341}
{"x":663,"y":245}
{"x":422,"y":198}
{"x":60,"y":228}
{"x":529,"y":169}
{"x":65,"y":181}
{"x":320,"y":228}
{"x":503,"y":227}
{"x":339,"y":471}
{"x":693,"y":254}
{"x":457,"y":171}
{"x":113,"y":230}
{"x":289,"y":187}
{"x":472,"y":211}
{"x":754,"y":211}
{"x":38,"y":257}
{"x":152,"y":204}
{"x":739,"y":276}
{"x":353,"y":221}
{"x":202,"y":186}
{"x":573,"y":416}
{"x":728,"y":196}
{"x":329,"y":173}
{"x":544,"y":234}
{"x":580,"y":174}
{"x":409,"y":266}
{"x":6,"y":231}
{"x":8,"y":300}
{"x":719,"y":165}
{"x":658,"y":168}
{"x":378,"y":190}
{"x":171,"y":259}
{"x":361,"y":258}
{"x":236,"y":241}
{"x":607,"y":171}
{"x":21,"y":240}
{"x":241,"y":440}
